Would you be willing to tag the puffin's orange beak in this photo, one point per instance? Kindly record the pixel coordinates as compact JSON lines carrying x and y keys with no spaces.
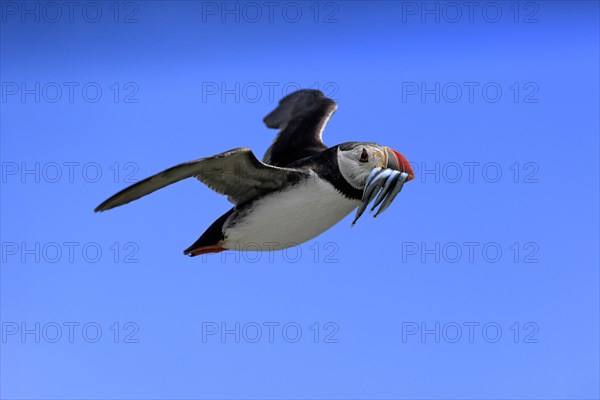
{"x":398,"y":162}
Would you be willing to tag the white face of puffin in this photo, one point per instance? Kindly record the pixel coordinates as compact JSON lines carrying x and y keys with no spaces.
{"x":379,"y":171}
{"x":357,"y":163}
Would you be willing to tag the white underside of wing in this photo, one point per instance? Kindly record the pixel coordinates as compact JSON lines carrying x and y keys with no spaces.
{"x":290,"y":217}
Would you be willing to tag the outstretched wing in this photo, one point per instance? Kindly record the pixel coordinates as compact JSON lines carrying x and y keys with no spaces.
{"x":301,"y":117}
{"x":236,"y":173}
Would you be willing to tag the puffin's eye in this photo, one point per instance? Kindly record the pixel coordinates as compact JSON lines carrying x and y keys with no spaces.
{"x":364,"y":157}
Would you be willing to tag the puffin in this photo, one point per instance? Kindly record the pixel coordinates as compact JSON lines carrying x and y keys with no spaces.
{"x":300,"y":189}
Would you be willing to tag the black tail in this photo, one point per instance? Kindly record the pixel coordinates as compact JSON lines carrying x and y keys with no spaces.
{"x":211,"y":239}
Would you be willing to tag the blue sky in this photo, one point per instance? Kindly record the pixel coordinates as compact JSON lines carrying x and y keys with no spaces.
{"x":480,"y":281}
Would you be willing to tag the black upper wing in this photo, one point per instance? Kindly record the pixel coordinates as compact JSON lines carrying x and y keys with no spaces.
{"x":236,"y":173}
{"x":301,"y":117}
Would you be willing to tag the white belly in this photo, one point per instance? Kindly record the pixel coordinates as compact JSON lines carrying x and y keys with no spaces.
{"x":290,"y":217}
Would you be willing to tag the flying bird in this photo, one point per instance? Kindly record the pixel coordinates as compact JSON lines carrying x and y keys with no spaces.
{"x":299,"y":190}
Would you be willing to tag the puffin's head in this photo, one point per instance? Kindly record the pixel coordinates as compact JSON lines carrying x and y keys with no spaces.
{"x":356,"y":160}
